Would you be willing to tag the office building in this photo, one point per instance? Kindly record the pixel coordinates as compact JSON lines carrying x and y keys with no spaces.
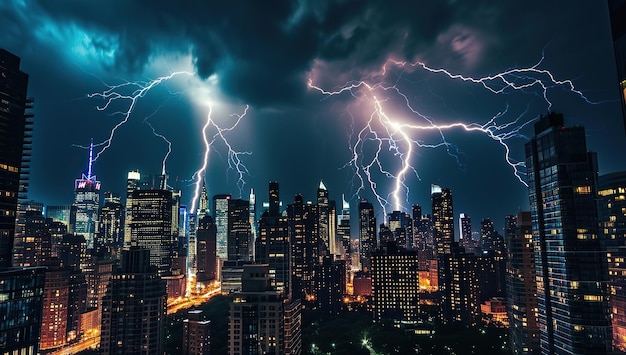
{"x":330,"y":286}
{"x":443,"y":218}
{"x":16,"y":121}
{"x":87,"y":202}
{"x":110,"y":238}
{"x":571,"y":264}
{"x":239,"y":241}
{"x":220,"y":216}
{"x":324,"y":220}
{"x":21,"y":302}
{"x":367,"y":234}
{"x":206,"y":258}
{"x":134,"y":308}
{"x":304,"y":240}
{"x":521,"y":287}
{"x":395,"y":284}
{"x":458,"y":284}
{"x":343,"y":228}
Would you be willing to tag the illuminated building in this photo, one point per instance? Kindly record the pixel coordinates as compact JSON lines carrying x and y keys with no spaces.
{"x":151,"y":226}
{"x":521,"y":287}
{"x":459,"y":287}
{"x":416,"y":215}
{"x":617,"y":11}
{"x":443,"y":218}
{"x":33,"y":242}
{"x":261,"y":320}
{"x":465,"y":232}
{"x":111,"y":229}
{"x":196,"y":334}
{"x":239,"y":242}
{"x":54,"y":325}
{"x":323,"y":215}
{"x":21,"y":302}
{"x":302,"y":229}
{"x":220,"y":216}
{"x":272,"y":247}
{"x":16,"y":122}
{"x":134,"y":307}
{"x":395,"y":284}
{"x":367,"y":233}
{"x":401,"y":227}
{"x":203,"y":202}
{"x":87,"y":202}
{"x":612,"y":204}
{"x":206,"y":258}
{"x":132,"y":184}
{"x":343,"y":227}
{"x":253,"y":222}
{"x":571,"y":264}
{"x":330,"y":286}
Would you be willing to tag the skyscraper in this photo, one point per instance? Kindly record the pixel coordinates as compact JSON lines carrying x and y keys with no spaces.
{"x":87,"y":202}
{"x":15,"y":142}
{"x":459,"y":286}
{"x":272,"y":247}
{"x":521,"y":287}
{"x":443,"y":218}
{"x":323,"y":211}
{"x":367,"y":233}
{"x":572,"y":272}
{"x":465,"y":231}
{"x":206,"y":252}
{"x":151,"y":226}
{"x":196,"y":334}
{"x":330,"y":286}
{"x":304,"y":239}
{"x":343,"y":227}
{"x":239,"y":243}
{"x":134,"y":308}
{"x":132,"y":183}
{"x":110,"y":238}
{"x":220,"y":216}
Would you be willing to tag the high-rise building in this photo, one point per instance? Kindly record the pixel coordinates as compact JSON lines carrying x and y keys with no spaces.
{"x":465,"y":232}
{"x":15,"y":144}
{"x":111,"y":228}
{"x":272,"y":247}
{"x":617,"y":11}
{"x":401,"y":226}
{"x":196,"y":334}
{"x":323,"y":215}
{"x":152,"y":226}
{"x":239,"y":242}
{"x":220,"y":216}
{"x":343,"y":227}
{"x":132,"y":184}
{"x":261,"y":320}
{"x":367,"y":233}
{"x":521,"y":287}
{"x":612,"y":204}
{"x":206,"y":259}
{"x":65,"y":214}
{"x":253,"y":222}
{"x":21,"y":302}
{"x":395,"y":284}
{"x":571,"y":264}
{"x":330,"y":286}
{"x":303,"y":236}
{"x":443,"y":218}
{"x":134,"y":308}
{"x":87,"y":202}
{"x":459,"y":287}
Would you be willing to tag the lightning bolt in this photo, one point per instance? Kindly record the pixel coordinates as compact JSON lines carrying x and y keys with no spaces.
{"x":233,"y":157}
{"x":383,"y":131}
{"x":129,"y":92}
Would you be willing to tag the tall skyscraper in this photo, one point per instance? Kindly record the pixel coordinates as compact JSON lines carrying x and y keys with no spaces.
{"x":272,"y":247}
{"x":367,"y":233}
{"x":521,"y":287}
{"x":253,"y":222}
{"x":15,"y":143}
{"x":612,"y":204}
{"x":459,"y":287}
{"x":261,"y":320}
{"x":330,"y":286}
{"x":110,"y":238}
{"x":395,"y":284}
{"x":152,"y":226}
{"x":443,"y":218}
{"x":132,"y":183}
{"x":239,"y":242}
{"x":617,"y":11}
{"x":220,"y":216}
{"x":87,"y":202}
{"x":343,"y":227}
{"x":465,"y":231}
{"x":323,"y":214}
{"x":571,"y":264}
{"x":304,"y":239}
{"x":206,"y":252}
{"x":134,"y":308}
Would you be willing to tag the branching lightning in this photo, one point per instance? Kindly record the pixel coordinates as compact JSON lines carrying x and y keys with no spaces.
{"x":131,"y":92}
{"x":233,"y":156}
{"x":401,"y":135}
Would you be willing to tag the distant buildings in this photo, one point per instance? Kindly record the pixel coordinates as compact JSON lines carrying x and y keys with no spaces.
{"x":572,"y":270}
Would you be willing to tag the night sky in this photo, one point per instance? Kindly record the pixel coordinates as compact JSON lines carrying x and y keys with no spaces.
{"x":261,"y":55}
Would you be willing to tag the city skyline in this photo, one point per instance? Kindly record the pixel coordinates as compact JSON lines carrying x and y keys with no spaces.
{"x":263,"y":57}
